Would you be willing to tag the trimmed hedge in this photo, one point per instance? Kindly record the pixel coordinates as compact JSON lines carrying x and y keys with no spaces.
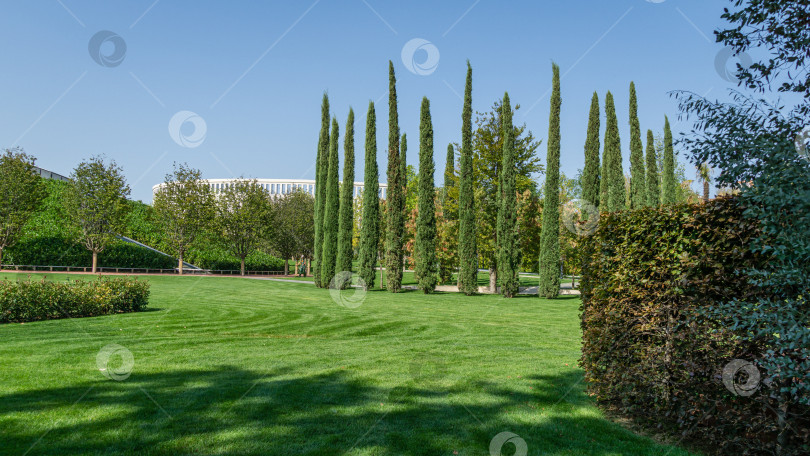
{"x":27,"y":300}
{"x":649,"y":350}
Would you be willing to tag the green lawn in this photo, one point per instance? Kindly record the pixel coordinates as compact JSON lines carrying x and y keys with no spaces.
{"x":244,"y":366}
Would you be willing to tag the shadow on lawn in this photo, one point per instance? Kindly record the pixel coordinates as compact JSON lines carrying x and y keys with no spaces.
{"x":234,"y":411}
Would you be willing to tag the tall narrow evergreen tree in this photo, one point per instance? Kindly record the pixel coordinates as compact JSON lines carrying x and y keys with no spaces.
{"x":395,"y":201}
{"x":332,"y":207}
{"x":668,"y":173}
{"x":638,"y":178}
{"x":590,"y":175}
{"x":653,"y":189}
{"x":612,"y":166}
{"x":550,"y":236}
{"x":508,"y":246}
{"x":370,"y":221}
{"x":403,"y":176}
{"x":468,"y":253}
{"x":425,"y":243}
{"x":321,"y":168}
{"x":449,"y":171}
{"x":346,"y":217}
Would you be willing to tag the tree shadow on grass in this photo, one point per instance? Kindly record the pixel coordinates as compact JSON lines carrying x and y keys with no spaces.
{"x":234,"y":411}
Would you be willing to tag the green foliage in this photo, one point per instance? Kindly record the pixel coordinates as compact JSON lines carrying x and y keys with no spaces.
{"x":426,"y":261}
{"x":638,"y":178}
{"x":28,"y":300}
{"x":184,"y":206}
{"x":96,"y":203}
{"x":321,"y":168}
{"x":244,"y":218}
{"x":293,"y":225}
{"x":508,"y":246}
{"x":653,"y":189}
{"x":781,"y":27}
{"x":467,"y":249}
{"x":613,"y":191}
{"x":448,"y":220}
{"x":370,"y":227}
{"x":346,"y":216}
{"x":549,"y":286}
{"x":21,"y":193}
{"x":488,"y":144}
{"x":590,"y":174}
{"x":651,"y":349}
{"x":668,"y":184}
{"x":395,"y":200}
{"x":331,"y":208}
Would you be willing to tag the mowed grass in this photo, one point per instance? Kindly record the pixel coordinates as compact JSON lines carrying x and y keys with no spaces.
{"x":408,"y":278}
{"x":244,"y":366}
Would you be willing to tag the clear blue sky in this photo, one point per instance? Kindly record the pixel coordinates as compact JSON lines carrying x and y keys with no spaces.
{"x":255,"y":72}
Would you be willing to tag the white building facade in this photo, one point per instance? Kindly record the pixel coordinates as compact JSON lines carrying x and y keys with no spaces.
{"x":280,"y":187}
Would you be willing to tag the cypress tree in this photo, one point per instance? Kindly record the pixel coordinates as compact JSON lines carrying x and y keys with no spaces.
{"x":638,"y":179}
{"x":321,"y":166}
{"x":468,"y":252}
{"x":425,"y":243}
{"x":668,"y":173}
{"x":403,"y":176}
{"x":508,"y":247}
{"x":653,"y":189}
{"x":590,"y":175}
{"x":332,"y":206}
{"x":395,"y":201}
{"x":370,"y":228}
{"x":549,"y":286}
{"x":346,"y":220}
{"x":613,"y":173}
{"x":449,"y":168}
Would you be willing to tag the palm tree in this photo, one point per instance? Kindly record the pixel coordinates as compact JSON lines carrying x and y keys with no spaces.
{"x":705,"y":176}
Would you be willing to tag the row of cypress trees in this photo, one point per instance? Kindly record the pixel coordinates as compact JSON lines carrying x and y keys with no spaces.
{"x":603,"y":185}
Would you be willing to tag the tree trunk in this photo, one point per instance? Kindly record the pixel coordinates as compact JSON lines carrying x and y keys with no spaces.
{"x":493,"y":277}
{"x":309,"y":267}
{"x":1,"y":258}
{"x":286,"y":266}
{"x":180,"y":265}
{"x":95,"y":262}
{"x":242,"y":266}
{"x":705,"y":190}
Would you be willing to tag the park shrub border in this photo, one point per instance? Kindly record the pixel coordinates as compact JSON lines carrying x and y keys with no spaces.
{"x":33,"y":300}
{"x":650,"y":352}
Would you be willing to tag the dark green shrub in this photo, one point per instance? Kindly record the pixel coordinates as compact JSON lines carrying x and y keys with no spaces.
{"x":27,"y":300}
{"x":649,"y":348}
